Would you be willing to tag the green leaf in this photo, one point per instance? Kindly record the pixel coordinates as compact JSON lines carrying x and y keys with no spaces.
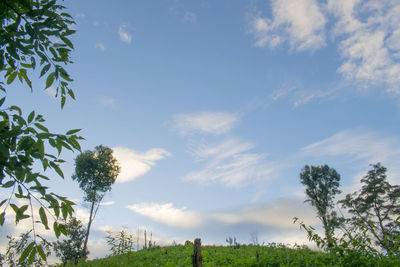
{"x":31,"y":116}
{"x":11,"y":77}
{"x":56,"y":229}
{"x":71,"y":94}
{"x":73,"y":131}
{"x":50,"y":79}
{"x":8,"y":184}
{"x":4,"y":201}
{"x":62,"y":101}
{"x":2,"y":101}
{"x":64,"y":210}
{"x":41,"y":127}
{"x":26,"y":252}
{"x":57,"y":169}
{"x":43,"y":217}
{"x":2,"y":218}
{"x":32,"y":255}
{"x":44,"y":70}
{"x":25,"y":76}
{"x":41,"y":252}
{"x":67,"y":41}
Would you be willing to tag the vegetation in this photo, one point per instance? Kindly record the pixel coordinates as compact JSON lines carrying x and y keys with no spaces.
{"x":70,"y":249}
{"x":17,"y":246}
{"x":33,"y":34}
{"x":322,"y":183}
{"x":95,"y":171}
{"x":121,"y":243}
{"x":246,"y":255}
{"x":376,"y":209}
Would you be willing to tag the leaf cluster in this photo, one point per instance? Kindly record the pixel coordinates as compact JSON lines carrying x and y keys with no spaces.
{"x":96,"y":171}
{"x":121,"y":242}
{"x":23,"y":143}
{"x":36,"y":33}
{"x":24,"y":251}
{"x":70,"y":249}
{"x":376,"y":208}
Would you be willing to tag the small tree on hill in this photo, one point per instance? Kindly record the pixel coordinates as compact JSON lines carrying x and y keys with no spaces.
{"x":71,"y":248}
{"x":95,"y":172}
{"x":376,"y":207}
{"x":322,"y":183}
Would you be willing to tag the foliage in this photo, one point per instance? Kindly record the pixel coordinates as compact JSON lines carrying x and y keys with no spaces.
{"x":32,"y":34}
{"x":376,"y":209}
{"x":322,"y":183}
{"x":351,"y":249}
{"x":120,"y":242}
{"x":95,"y":171}
{"x":246,"y":255}
{"x":232,"y":242}
{"x":70,"y":249}
{"x":16,"y":248}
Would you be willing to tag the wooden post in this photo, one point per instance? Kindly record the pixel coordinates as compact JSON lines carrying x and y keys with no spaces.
{"x":196,"y":258}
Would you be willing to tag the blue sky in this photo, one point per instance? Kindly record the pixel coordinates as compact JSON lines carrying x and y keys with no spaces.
{"x":213,"y":108}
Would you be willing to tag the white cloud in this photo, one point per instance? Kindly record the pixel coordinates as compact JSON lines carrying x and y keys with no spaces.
{"x":204,"y":122}
{"x":124,"y":34}
{"x":190,"y":17}
{"x":134,"y":164}
{"x":231,"y":164}
{"x":370,"y":43}
{"x":363,"y":146}
{"x":107,"y":203}
{"x":366,"y":32}
{"x":278,"y":213}
{"x":301,"y":23}
{"x":100,"y":46}
{"x":168,"y":214}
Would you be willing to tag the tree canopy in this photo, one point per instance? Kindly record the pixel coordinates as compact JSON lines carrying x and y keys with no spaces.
{"x":322,"y":185}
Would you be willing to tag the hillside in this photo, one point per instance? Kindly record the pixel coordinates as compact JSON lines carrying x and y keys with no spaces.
{"x":245,"y":255}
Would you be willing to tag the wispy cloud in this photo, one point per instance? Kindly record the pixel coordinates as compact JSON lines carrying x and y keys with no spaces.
{"x":230,"y":163}
{"x":208,"y":122}
{"x":107,"y":203}
{"x":168,"y":214}
{"x":370,"y":43}
{"x":135,"y":164}
{"x":360,"y":146}
{"x":366,"y":33}
{"x":107,"y":101}
{"x":301,"y":23}
{"x":100,"y":46}
{"x":124,"y":34}
{"x":278,"y":214}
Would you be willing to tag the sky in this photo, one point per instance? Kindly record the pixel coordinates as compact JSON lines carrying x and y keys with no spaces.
{"x":213,"y":108}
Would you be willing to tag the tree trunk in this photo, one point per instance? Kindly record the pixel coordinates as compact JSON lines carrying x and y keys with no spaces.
{"x":89,"y":224}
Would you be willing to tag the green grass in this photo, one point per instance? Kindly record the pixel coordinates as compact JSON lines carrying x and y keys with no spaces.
{"x":243,"y":256}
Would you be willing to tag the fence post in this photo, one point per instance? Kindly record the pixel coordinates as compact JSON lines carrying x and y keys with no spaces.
{"x":197,"y":259}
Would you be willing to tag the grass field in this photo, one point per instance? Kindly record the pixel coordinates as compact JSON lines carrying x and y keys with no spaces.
{"x":245,"y":255}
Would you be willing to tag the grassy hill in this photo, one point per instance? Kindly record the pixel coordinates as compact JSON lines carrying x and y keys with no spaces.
{"x":245,"y":255}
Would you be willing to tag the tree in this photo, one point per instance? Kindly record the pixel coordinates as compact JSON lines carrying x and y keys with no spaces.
{"x":95,"y":172}
{"x":322,"y":183}
{"x":71,"y":248}
{"x":376,"y":207}
{"x":33,"y":33}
